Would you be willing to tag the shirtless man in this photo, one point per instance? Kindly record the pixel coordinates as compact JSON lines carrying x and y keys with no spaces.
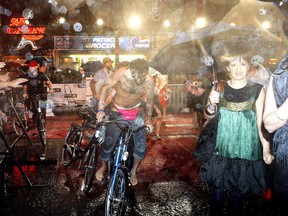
{"x":131,"y":84}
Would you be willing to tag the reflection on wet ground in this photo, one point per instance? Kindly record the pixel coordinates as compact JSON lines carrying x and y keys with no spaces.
{"x":168,"y":184}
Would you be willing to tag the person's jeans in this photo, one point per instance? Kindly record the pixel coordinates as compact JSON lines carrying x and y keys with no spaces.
{"x":112,"y":133}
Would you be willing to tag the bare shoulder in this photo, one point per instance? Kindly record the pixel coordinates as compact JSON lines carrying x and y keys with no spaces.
{"x":149,"y":78}
{"x":120,"y":72}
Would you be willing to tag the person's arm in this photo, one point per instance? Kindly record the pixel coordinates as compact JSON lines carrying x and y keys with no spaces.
{"x":150,"y":84}
{"x":14,"y":83}
{"x":25,"y":91}
{"x":112,"y":81}
{"x":92,"y":87}
{"x":109,"y":98}
{"x":50,"y":86}
{"x":211,"y":106}
{"x":267,"y":156}
{"x":274,"y":118}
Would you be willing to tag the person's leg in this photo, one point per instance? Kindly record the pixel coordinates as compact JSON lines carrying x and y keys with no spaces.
{"x":236,"y":204}
{"x":158,"y":127}
{"x":217,"y":201}
{"x":101,"y":170}
{"x":133,"y":173}
{"x":200,"y":119}
{"x":111,"y":134}
{"x":34,"y":109}
{"x":139,"y":148}
{"x":164,"y":112}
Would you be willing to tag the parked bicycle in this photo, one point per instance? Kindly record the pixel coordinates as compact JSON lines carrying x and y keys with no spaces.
{"x":73,"y":148}
{"x":20,"y":123}
{"x":117,"y":191}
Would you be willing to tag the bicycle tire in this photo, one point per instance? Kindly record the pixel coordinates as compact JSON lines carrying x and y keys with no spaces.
{"x":41,"y":129}
{"x":117,"y":194}
{"x":16,"y":126}
{"x":90,"y":165}
{"x":67,"y":154}
{"x":72,"y":139}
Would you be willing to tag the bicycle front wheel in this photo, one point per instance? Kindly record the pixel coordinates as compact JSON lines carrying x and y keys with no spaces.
{"x":42,"y":129}
{"x":90,"y":165}
{"x":67,"y":154}
{"x":117,"y":196}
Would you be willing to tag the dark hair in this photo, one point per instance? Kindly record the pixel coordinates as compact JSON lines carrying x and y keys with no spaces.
{"x":139,"y":65}
{"x":43,"y":63}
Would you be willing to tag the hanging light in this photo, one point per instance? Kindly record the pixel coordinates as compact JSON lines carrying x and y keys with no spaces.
{"x":62,"y":20}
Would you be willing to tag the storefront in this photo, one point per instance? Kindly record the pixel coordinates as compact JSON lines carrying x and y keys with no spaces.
{"x":73,"y":51}
{"x":70,"y":52}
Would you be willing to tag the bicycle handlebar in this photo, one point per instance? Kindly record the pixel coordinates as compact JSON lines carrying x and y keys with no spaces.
{"x":123,"y":128}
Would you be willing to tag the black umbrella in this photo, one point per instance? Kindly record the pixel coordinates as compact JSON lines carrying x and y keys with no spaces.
{"x":92,"y":66}
{"x":39,"y":59}
{"x":181,"y":59}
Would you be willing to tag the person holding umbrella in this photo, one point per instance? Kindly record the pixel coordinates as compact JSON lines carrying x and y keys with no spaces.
{"x":239,"y":148}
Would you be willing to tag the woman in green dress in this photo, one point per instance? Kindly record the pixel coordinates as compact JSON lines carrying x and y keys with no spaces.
{"x":236,"y":165}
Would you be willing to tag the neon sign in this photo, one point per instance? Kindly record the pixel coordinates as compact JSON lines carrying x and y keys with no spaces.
{"x":16,"y":28}
{"x":30,"y":34}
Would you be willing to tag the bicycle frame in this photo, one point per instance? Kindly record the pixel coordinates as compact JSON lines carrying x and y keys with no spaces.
{"x":116,"y":197}
{"x":74,"y":137}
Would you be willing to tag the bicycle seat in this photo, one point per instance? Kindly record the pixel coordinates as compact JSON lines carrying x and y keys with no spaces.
{"x":75,"y":126}
{"x":84,"y":115}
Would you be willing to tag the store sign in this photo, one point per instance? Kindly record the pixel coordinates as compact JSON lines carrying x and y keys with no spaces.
{"x":16,"y":27}
{"x":134,"y":43}
{"x":101,"y":43}
{"x":29,"y":33}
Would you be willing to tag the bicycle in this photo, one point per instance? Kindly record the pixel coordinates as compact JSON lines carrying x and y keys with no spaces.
{"x":91,"y":156}
{"x":117,"y":191}
{"x":18,"y":122}
{"x":35,"y":102}
{"x":73,"y":148}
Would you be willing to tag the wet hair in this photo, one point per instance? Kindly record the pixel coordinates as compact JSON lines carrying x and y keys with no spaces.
{"x":140,"y":66}
{"x":43,"y":63}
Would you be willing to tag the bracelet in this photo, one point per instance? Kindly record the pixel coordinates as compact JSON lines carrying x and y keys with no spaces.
{"x":276,"y":114}
{"x":101,"y":110}
{"x":210,"y":107}
{"x":209,"y":113}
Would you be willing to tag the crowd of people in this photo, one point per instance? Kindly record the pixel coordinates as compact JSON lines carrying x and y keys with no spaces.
{"x":247,"y":122}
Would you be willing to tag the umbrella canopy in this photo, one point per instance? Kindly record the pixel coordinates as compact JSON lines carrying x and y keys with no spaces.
{"x":241,"y":27}
{"x":260,"y":43}
{"x":12,"y":65}
{"x":179,"y":59}
{"x":92,"y":66}
{"x":39,"y":59}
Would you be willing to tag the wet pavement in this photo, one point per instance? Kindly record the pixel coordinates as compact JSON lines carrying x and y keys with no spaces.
{"x":168,"y":182}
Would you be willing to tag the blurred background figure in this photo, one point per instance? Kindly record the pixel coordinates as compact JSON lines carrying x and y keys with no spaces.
{"x":198,"y":90}
{"x":275,"y":121}
{"x":100,"y":78}
{"x":164,"y":93}
{"x":80,"y":76}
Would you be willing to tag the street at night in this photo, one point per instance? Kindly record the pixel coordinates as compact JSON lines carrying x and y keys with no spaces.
{"x":82,"y":81}
{"x":168,"y":178}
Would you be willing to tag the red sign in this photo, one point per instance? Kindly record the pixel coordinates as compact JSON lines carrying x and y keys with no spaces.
{"x":16,"y":28}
